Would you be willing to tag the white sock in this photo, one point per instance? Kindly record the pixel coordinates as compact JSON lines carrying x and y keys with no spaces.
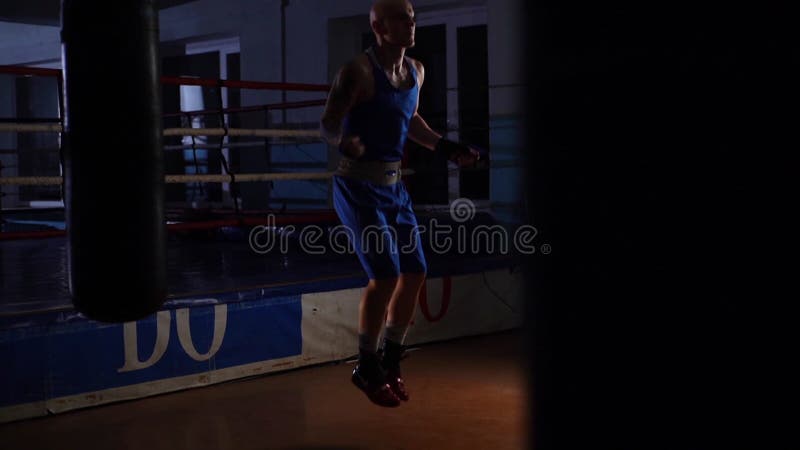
{"x":396,"y":333}
{"x":367,"y":343}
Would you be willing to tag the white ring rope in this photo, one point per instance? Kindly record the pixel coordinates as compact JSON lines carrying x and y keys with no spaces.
{"x":248,"y":177}
{"x":177,"y":179}
{"x":257,"y":132}
{"x":231,"y":145}
{"x":198,"y":146}
{"x":30,"y":127}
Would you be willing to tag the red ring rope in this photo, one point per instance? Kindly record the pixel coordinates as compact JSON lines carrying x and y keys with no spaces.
{"x":196,"y":226}
{"x":187,"y":81}
{"x":287,"y":105}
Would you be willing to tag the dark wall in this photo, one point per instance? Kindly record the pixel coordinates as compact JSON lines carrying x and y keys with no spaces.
{"x":430,"y":185}
{"x":657,"y":173}
{"x":48,"y":12}
{"x":473,"y":104}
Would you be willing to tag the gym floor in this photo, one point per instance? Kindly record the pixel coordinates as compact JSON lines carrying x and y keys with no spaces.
{"x":468,"y":393}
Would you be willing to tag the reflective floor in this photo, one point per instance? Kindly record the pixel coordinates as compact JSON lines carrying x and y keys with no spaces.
{"x":466,"y":394}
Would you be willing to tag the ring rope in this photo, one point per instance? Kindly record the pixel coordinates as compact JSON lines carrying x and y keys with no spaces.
{"x":206,"y":178}
{"x":187,"y":81}
{"x":232,"y":145}
{"x":31,"y":127}
{"x":239,"y":132}
{"x":257,"y":132}
{"x":257,"y":108}
{"x":228,"y":145}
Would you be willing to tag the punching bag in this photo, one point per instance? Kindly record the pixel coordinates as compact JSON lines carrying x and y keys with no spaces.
{"x":113,"y":158}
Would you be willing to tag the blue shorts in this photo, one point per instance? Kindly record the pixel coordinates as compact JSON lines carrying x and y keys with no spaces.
{"x":382,"y":226}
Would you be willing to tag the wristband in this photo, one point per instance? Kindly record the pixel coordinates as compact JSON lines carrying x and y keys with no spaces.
{"x":452,"y":149}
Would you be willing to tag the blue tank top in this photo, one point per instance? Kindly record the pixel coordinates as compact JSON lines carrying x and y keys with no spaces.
{"x":382,"y":122}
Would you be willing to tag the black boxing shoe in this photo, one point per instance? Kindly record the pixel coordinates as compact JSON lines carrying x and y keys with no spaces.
{"x":391,"y":354}
{"x":370,"y":378}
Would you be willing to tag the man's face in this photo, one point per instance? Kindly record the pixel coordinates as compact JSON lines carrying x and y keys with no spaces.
{"x":399,"y":23}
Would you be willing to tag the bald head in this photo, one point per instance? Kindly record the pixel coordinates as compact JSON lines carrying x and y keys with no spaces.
{"x":393,"y":22}
{"x":384,"y":8}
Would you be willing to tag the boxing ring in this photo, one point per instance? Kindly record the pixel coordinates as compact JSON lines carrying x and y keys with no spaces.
{"x":236,"y":307}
